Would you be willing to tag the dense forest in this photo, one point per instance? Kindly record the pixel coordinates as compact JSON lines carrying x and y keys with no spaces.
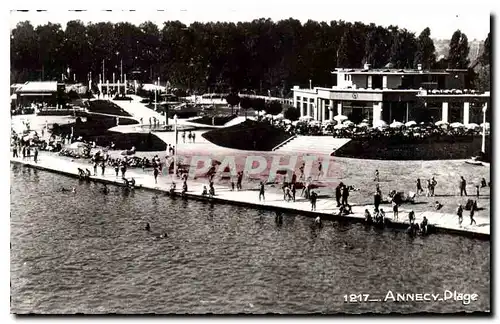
{"x":260,"y":55}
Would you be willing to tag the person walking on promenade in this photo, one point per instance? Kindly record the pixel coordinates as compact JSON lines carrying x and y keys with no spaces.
{"x":117,"y":167}
{"x":460,"y":214}
{"x":288,"y":195}
{"x":338,"y":193}
{"x":377,"y":199}
{"x":429,"y":188}
{"x":184,"y":187}
{"x":35,"y":158}
{"x":211,"y":190}
{"x":184,"y":137}
{"x":345,"y":195}
{"x":302,"y":176}
{"x":190,"y":136}
{"x":411,"y":216}
{"x":305,"y":190}
{"x":483,"y":183}
{"x":472,"y":210}
{"x":433,"y":186}
{"x":320,"y":170}
{"x":419,"y":187}
{"x":477,"y":191}
{"x":395,"y":210}
{"x":123,"y":169}
{"x":155,"y":174}
{"x":261,"y":191}
{"x":149,"y":122}
{"x":283,"y":188}
{"x":463,"y":186}
{"x":232,"y":183}
{"x":239,"y":180}
{"x":194,"y":136}
{"x":313,"y":198}
{"x":292,"y":189}
{"x":103,"y":167}
{"x":377,"y":178}
{"x":95,"y":167}
{"x":28,"y":152}
{"x":423,"y":225}
{"x":294,"y":178}
{"x":23,"y":150}
{"x":14,"y":151}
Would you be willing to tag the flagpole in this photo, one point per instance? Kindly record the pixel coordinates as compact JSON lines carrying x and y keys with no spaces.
{"x":483,"y":145}
{"x":175,"y":150}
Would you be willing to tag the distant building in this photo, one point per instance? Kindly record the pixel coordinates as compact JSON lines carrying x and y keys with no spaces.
{"x":39,"y":92}
{"x":394,"y":94}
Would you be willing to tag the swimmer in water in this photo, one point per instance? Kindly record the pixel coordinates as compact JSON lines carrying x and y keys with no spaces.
{"x":73,"y":190}
{"x":347,"y":246}
{"x":279,"y":217}
{"x":161,"y":236}
{"x":105,"y":189}
{"x":317,"y":221}
{"x":148,"y":227}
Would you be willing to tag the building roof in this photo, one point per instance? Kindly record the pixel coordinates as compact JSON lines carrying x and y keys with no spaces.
{"x":38,"y":87}
{"x":396,"y":71}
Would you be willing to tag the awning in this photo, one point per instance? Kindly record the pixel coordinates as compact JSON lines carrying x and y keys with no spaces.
{"x":36,"y":94}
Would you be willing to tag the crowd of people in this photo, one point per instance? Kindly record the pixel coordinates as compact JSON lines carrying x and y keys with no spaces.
{"x":191,"y":137}
{"x":363,"y":130}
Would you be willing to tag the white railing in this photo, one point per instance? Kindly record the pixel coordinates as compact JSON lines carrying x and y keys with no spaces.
{"x":284,"y":142}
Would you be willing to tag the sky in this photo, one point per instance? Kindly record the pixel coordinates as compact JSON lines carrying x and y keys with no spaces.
{"x":443,"y":17}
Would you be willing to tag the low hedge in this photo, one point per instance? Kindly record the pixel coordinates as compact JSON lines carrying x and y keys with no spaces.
{"x":249,"y":135}
{"x":430,"y":148}
{"x":214,"y":121}
{"x":106,"y":107}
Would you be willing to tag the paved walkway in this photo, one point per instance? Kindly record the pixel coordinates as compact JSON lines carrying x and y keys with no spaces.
{"x":249,"y":196}
{"x":138,"y":110}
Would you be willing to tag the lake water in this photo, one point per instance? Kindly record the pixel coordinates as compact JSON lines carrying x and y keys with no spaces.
{"x":87,"y":253}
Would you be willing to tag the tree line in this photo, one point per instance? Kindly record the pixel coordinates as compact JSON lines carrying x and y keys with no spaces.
{"x":258,"y":56}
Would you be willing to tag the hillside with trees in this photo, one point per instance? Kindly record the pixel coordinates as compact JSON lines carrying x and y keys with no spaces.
{"x":256,"y":56}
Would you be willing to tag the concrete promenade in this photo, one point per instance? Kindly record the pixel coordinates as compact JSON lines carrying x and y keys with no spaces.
{"x":326,"y":207}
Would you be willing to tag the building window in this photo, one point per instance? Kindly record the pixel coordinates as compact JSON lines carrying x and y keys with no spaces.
{"x":311,"y":100}
{"x":298,"y":98}
{"x":304,"y":109}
